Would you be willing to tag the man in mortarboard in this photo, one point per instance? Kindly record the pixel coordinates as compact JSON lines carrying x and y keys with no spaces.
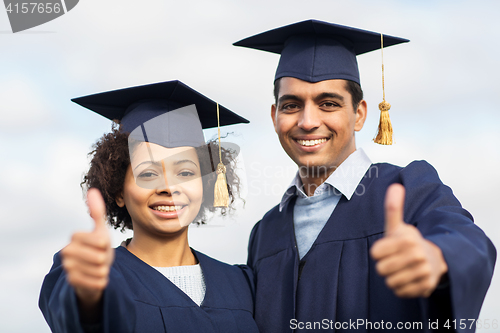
{"x":354,"y":245}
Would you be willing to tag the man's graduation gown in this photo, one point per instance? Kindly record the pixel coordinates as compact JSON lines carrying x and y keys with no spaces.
{"x":138,"y":298}
{"x":336,"y":284}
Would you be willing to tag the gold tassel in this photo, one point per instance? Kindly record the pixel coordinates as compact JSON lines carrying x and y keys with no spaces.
{"x":384,"y":133}
{"x":221,"y":194}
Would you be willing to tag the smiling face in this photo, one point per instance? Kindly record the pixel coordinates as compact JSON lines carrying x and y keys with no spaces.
{"x":163,"y":189}
{"x":315,"y":123}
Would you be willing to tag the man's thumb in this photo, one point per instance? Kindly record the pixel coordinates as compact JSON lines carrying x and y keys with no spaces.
{"x":97,"y":208}
{"x":394,"y":206}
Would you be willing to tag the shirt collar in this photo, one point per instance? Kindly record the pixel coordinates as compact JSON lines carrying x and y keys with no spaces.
{"x":345,"y":179}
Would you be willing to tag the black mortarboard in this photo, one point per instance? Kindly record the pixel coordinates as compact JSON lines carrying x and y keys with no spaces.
{"x":136,"y":105}
{"x":315,"y":51}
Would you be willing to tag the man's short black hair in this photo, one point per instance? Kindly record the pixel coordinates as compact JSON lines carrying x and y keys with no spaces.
{"x":352,"y":87}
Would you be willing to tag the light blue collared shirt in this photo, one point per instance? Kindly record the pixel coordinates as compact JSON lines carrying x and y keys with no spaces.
{"x":310,"y":214}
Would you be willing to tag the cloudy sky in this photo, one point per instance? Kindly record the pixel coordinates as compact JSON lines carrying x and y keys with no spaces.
{"x":442,"y":87}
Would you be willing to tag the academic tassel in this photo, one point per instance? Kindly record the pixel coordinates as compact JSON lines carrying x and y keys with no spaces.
{"x":384,"y":135}
{"x":221,"y":195}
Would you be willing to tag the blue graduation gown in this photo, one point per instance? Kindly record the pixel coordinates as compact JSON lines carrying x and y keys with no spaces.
{"x":138,"y":298}
{"x":336,"y":280}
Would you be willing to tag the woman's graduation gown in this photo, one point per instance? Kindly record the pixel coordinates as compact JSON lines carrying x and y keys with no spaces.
{"x":336,"y":284}
{"x":138,"y":298}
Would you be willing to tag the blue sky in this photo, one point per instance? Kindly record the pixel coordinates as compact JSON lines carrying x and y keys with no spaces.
{"x":442,"y":87}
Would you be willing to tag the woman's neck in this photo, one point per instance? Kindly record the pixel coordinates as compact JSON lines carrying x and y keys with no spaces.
{"x":162,"y":252}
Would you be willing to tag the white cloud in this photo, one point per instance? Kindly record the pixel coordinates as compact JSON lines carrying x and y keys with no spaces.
{"x":23,"y":106}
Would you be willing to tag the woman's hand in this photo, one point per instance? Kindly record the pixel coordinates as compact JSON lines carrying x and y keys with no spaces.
{"x":88,"y":258}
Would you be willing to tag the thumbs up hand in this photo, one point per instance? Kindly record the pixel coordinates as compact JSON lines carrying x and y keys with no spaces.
{"x":411,"y":265}
{"x":88,"y":257}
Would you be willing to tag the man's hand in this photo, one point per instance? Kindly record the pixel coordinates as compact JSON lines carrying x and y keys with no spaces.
{"x":87,"y":259}
{"x":412,"y":266}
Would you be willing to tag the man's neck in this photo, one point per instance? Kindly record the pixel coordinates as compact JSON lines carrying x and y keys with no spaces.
{"x":311,"y":183}
{"x":313,"y":177}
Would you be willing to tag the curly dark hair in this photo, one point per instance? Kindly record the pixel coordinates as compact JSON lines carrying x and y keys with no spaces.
{"x":110,"y":161}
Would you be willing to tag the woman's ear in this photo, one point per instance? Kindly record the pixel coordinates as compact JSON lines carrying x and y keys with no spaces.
{"x":119,"y":200}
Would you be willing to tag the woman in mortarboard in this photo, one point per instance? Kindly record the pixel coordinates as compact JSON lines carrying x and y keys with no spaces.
{"x":157,"y":176}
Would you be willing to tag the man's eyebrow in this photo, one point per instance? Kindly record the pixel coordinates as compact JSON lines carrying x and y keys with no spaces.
{"x":288,"y":97}
{"x":329,"y":95}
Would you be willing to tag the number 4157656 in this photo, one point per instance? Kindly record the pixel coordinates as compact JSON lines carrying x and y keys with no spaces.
{"x":34,"y":7}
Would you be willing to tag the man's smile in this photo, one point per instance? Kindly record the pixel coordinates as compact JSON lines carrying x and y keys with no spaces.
{"x":309,"y":143}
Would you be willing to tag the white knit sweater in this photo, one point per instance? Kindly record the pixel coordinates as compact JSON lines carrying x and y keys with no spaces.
{"x":189,"y":279}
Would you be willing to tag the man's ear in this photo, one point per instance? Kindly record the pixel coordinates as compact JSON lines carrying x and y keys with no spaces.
{"x":273,"y":115}
{"x":119,"y":200}
{"x":361,"y":113}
